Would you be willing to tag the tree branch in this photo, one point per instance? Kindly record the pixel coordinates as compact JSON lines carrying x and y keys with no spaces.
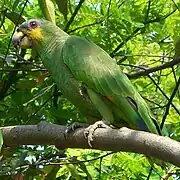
{"x":154,"y":69}
{"x":123,"y":139}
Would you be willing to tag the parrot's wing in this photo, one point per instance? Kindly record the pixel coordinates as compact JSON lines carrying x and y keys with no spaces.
{"x":95,"y":68}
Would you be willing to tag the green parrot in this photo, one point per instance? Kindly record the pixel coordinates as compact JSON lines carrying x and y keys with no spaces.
{"x":87,"y":76}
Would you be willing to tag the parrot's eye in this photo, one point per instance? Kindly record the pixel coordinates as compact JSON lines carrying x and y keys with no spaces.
{"x":33,"y":24}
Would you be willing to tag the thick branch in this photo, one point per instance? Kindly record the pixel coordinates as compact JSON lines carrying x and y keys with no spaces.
{"x":154,"y":69}
{"x":123,"y":139}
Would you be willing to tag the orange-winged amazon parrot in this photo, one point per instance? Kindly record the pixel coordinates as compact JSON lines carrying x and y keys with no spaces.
{"x":87,"y":76}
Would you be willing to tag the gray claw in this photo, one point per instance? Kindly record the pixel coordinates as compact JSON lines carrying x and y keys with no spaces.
{"x":73,"y":127}
{"x":89,"y":131}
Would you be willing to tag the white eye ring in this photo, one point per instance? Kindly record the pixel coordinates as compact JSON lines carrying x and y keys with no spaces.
{"x":33,"y":24}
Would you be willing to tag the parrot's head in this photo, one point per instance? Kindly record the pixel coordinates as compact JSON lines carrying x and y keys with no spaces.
{"x":31,"y":32}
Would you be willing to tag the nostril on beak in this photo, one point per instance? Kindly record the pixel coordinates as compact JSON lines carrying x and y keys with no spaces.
{"x":18,"y":30}
{"x":15,"y":42}
{"x":17,"y":37}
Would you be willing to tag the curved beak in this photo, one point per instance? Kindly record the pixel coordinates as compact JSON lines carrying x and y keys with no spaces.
{"x":21,"y":40}
{"x":17,"y":38}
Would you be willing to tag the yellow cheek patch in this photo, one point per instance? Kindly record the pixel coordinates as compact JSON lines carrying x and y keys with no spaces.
{"x":34,"y":34}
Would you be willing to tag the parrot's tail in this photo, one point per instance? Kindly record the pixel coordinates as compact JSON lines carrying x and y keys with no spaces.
{"x":140,"y":120}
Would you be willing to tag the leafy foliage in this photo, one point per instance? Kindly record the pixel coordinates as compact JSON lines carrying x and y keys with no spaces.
{"x":138,"y":34}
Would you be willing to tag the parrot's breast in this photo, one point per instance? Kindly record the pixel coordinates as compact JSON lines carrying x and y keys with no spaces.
{"x":71,"y":88}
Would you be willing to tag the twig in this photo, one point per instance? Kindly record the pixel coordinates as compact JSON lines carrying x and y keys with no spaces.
{"x":38,"y":110}
{"x":114,"y":52}
{"x":78,"y":162}
{"x":73,"y":15}
{"x":147,"y":12}
{"x":175,"y":78}
{"x":13,"y":33}
{"x":170,"y":102}
{"x":87,"y":25}
{"x":23,"y":69}
{"x":150,"y":172}
{"x":157,"y":87}
{"x":164,"y":95}
{"x":12,"y":78}
{"x":157,"y":104}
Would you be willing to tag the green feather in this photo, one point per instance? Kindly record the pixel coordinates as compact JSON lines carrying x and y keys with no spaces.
{"x":94,"y":67}
{"x":101,"y":106}
{"x":87,"y":76}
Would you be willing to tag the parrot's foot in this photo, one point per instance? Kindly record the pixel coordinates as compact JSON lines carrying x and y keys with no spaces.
{"x":89,"y":131}
{"x":73,"y":127}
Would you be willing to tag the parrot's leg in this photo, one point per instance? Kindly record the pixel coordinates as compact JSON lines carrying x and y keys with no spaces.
{"x":89,"y":131}
{"x":73,"y":127}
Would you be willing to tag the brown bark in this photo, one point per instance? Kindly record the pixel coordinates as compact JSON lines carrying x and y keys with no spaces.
{"x":123,"y":139}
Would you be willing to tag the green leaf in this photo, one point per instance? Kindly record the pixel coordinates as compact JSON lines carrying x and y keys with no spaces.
{"x":177,"y":48}
{"x":26,"y":84}
{"x":63,"y":8}
{"x":52,"y":172}
{"x":73,"y":171}
{"x":21,"y":97}
{"x":39,"y":94}
{"x":47,"y":8}
{"x":14,"y":17}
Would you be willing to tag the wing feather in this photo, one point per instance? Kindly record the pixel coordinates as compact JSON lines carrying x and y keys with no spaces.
{"x":94,"y":67}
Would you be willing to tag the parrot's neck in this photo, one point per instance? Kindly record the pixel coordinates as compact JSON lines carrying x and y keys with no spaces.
{"x":50,"y":48}
{"x":50,"y":42}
